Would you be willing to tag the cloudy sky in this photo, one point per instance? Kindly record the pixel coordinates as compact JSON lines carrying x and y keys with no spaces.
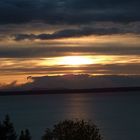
{"x":41,"y":38}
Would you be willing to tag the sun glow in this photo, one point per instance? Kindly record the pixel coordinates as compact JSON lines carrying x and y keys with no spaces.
{"x":75,"y":60}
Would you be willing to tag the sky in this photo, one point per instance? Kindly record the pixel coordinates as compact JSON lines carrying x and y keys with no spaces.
{"x":50,"y":39}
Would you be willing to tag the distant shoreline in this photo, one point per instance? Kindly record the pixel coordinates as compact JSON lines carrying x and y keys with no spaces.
{"x":69,"y":91}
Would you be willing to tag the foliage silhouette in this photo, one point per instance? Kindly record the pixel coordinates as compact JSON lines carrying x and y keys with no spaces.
{"x":64,"y":130}
{"x":21,"y":137}
{"x":25,"y":135}
{"x":7,"y":131}
{"x":73,"y":130}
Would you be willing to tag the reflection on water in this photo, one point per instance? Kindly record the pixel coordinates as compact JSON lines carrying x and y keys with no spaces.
{"x":77,"y":106}
{"x":116,"y":115}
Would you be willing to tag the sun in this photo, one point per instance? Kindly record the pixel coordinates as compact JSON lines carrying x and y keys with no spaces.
{"x":75,"y":60}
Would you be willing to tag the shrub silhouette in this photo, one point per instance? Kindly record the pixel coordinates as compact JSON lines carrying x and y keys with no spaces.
{"x":73,"y":130}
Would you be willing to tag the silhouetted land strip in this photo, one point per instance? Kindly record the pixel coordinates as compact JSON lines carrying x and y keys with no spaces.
{"x":70,"y":91}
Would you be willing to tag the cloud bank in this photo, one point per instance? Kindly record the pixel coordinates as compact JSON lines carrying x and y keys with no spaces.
{"x":67,"y":33}
{"x":76,"y":82}
{"x":36,"y":52}
{"x":68,"y":11}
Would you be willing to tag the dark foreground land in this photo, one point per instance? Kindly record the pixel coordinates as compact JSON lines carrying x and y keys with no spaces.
{"x":70,"y":91}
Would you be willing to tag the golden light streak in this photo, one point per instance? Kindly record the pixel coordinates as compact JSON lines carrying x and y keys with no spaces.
{"x":126,"y":39}
{"x":87,"y":60}
{"x":68,"y":60}
{"x":75,"y":60}
{"x":18,"y":69}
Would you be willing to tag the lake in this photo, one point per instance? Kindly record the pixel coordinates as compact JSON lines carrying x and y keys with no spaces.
{"x":116,"y":114}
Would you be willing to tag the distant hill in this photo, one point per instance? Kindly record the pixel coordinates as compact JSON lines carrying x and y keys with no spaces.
{"x":70,"y":91}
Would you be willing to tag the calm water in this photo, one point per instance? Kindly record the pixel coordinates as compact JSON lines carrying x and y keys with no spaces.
{"x":118,"y":116}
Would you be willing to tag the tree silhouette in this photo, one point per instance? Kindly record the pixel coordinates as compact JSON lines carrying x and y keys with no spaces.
{"x":21,"y":137}
{"x":73,"y":130}
{"x":2,"y":134}
{"x":25,"y":135}
{"x":48,"y":135}
{"x":7,"y":131}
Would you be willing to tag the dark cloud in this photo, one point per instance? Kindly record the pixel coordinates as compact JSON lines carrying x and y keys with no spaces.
{"x":24,"y":10}
{"x":82,"y":81}
{"x":31,"y":31}
{"x":9,"y":86}
{"x":69,"y":33}
{"x":77,"y":81}
{"x":32,"y":52}
{"x":68,"y":11}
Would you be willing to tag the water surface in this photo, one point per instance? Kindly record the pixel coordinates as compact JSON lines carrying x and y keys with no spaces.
{"x":117,"y":115}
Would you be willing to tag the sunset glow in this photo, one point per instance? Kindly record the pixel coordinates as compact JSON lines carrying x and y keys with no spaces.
{"x":75,"y":60}
{"x":62,"y":38}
